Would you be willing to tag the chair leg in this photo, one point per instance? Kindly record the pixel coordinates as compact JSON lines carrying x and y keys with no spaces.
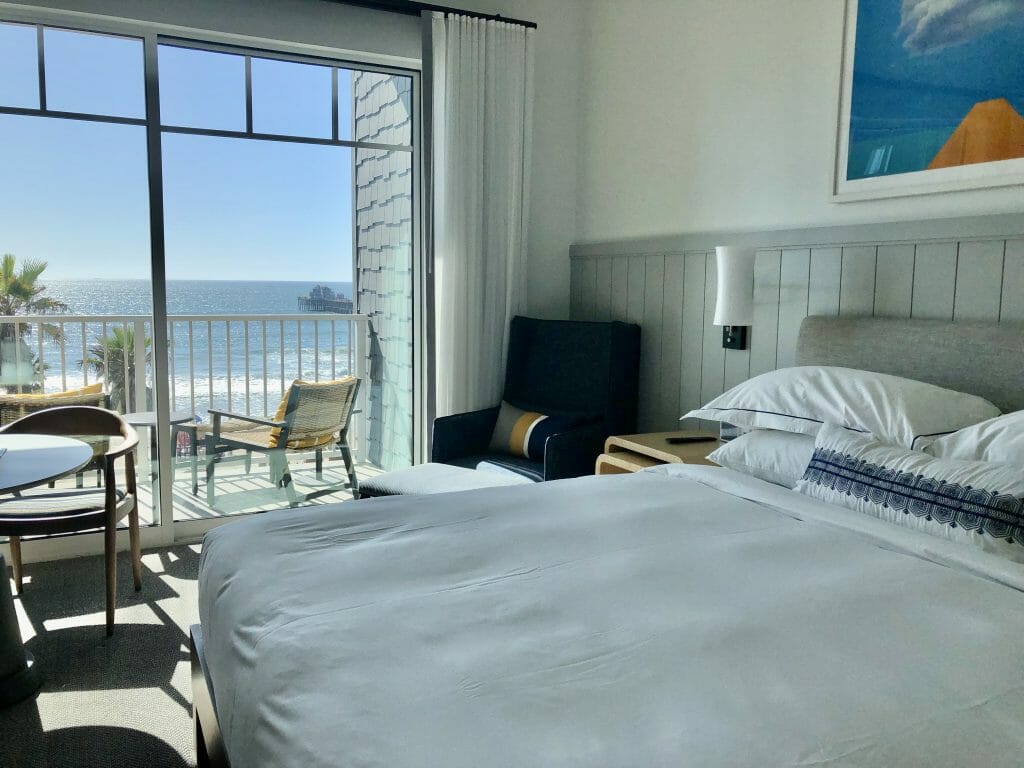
{"x":319,"y":464}
{"x":110,"y":550}
{"x":15,"y":543}
{"x":133,"y":533}
{"x":211,"y":459}
{"x":346,"y":454}
{"x":286,"y":479}
{"x":193,"y":454}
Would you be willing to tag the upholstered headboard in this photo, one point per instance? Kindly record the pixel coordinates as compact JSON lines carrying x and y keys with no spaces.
{"x":979,"y":357}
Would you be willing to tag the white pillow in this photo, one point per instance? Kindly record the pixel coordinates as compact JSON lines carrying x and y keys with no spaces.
{"x":893,"y":409}
{"x":976,"y":502}
{"x":767,"y":454}
{"x":998,"y":439}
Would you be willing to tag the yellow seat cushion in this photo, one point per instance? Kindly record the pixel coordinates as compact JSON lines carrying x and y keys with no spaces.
{"x":282,"y":409}
{"x":91,"y":389}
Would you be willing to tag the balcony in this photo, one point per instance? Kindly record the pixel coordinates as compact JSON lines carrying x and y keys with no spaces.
{"x":238,"y":363}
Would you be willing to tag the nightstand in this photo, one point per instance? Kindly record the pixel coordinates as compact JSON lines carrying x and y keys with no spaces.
{"x":631,"y":453}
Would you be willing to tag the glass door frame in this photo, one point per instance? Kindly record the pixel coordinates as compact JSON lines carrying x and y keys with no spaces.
{"x":166,"y":530}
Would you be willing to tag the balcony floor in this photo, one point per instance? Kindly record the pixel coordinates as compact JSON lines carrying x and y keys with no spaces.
{"x":240,"y":492}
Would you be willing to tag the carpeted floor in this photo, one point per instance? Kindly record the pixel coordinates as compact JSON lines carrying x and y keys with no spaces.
{"x":121,"y":701}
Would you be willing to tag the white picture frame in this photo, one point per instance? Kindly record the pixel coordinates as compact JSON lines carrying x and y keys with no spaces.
{"x":1001,"y":173}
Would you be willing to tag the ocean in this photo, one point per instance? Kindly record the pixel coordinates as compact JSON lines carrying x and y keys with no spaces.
{"x":224,"y":376}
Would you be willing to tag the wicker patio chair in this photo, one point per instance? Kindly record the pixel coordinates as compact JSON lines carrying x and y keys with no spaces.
{"x":16,"y":406}
{"x":311,"y":417}
{"x":46,"y":513}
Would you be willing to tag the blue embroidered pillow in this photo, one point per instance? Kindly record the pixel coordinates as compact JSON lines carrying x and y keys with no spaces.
{"x":977,"y":502}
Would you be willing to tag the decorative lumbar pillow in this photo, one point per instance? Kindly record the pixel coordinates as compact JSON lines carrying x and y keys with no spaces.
{"x":978,"y":502}
{"x":893,"y":409}
{"x":524,"y":433}
{"x":998,"y":439}
{"x":767,"y":454}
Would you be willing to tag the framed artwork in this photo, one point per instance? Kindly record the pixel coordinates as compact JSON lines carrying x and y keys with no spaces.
{"x":932,"y":97}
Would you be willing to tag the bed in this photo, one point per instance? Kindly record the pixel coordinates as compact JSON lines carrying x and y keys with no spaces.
{"x":680,"y":616}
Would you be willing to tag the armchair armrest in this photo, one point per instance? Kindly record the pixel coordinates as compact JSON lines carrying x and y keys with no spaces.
{"x":574,"y":452}
{"x":462,"y":434}
{"x":219,"y":414}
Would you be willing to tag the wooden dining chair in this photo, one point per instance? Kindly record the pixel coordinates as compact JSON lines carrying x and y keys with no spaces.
{"x":80,"y":509}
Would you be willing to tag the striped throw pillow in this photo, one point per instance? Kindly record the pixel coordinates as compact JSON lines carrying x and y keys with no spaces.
{"x":524,"y":433}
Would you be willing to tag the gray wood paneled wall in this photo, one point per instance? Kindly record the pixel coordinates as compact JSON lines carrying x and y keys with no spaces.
{"x":667,"y":286}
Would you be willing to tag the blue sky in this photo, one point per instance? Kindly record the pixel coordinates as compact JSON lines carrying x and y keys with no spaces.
{"x":920,"y":65}
{"x":75,"y":193}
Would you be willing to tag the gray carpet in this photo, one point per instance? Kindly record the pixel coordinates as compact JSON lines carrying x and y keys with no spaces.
{"x":120,"y":701}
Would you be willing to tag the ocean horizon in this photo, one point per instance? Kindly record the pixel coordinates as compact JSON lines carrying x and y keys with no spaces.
{"x":104,"y":296}
{"x":308,"y":349}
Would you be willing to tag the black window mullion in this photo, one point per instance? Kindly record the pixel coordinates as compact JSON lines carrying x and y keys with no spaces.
{"x":42,"y":68}
{"x":334,"y":103}
{"x":248,"y":94}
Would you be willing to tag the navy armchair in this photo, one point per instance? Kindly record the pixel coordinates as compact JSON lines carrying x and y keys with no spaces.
{"x":555,"y":367}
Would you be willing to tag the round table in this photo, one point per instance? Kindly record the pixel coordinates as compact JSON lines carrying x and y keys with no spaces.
{"x":28,"y":460}
{"x":148,"y":418}
{"x":36,"y":459}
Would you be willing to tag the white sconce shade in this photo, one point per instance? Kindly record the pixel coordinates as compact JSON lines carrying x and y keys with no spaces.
{"x":735,"y":301}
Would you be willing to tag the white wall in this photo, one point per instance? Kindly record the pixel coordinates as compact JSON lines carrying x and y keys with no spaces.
{"x":312,"y":22}
{"x":702,"y":115}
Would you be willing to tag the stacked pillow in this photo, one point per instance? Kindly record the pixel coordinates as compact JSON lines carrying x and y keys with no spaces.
{"x":900,"y":411}
{"x":1000,"y":439}
{"x":914,"y":454}
{"x":787,"y":407}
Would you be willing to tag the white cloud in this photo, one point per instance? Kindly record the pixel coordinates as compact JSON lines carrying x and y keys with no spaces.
{"x":928,"y":26}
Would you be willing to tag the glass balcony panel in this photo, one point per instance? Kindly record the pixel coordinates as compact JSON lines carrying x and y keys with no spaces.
{"x":19,"y":66}
{"x":94,"y":74}
{"x":291,"y":99}
{"x":201,"y":89}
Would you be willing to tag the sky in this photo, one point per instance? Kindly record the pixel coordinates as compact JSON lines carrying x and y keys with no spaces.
{"x":75,"y":193}
{"x":920,"y":65}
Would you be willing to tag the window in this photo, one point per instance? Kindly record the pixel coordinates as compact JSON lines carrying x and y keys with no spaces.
{"x":284,"y":193}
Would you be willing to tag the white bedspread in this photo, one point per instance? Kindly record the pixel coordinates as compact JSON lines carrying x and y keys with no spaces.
{"x":642,"y":620}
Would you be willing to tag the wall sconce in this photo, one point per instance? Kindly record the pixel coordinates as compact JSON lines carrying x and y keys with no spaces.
{"x":734,"y":307}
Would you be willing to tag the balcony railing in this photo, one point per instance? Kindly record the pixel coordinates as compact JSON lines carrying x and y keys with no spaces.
{"x":241,"y":363}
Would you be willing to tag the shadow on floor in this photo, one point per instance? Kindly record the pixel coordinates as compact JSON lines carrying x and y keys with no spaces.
{"x":24,"y":744}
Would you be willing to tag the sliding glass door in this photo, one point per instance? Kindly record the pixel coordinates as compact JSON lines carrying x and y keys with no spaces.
{"x":216,"y":223}
{"x":76,"y":293}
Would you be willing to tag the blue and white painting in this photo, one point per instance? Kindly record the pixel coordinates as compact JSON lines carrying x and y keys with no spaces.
{"x":935,"y":84}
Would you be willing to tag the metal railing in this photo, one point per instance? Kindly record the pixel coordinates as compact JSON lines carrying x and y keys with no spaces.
{"x":241,"y":363}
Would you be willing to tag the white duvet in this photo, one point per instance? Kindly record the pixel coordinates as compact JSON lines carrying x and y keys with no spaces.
{"x":685,"y":617}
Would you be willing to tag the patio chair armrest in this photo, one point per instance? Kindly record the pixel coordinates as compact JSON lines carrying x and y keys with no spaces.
{"x":219,"y":414}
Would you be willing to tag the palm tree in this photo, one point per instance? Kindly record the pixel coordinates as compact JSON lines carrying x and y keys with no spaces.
{"x":21,"y":293}
{"x":107,"y":360}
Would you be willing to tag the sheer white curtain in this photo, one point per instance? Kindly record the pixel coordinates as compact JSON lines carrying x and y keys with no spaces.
{"x":482,"y":119}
